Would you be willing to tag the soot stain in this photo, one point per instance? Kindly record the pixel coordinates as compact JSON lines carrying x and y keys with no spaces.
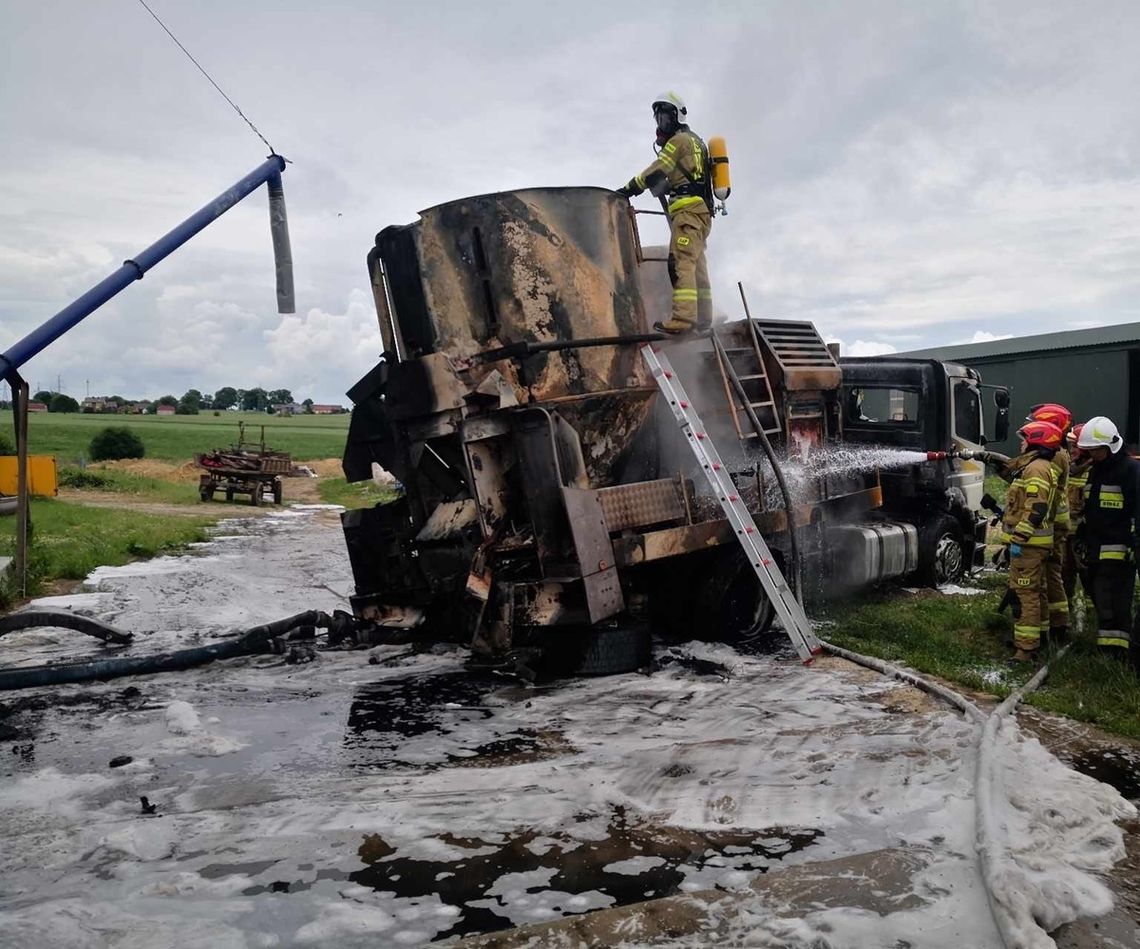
{"x":579,"y":866}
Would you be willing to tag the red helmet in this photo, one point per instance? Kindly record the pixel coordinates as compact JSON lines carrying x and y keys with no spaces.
{"x":1051,"y":412}
{"x":1041,"y":434}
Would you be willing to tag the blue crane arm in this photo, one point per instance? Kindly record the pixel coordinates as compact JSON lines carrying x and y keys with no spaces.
{"x":268,"y":172}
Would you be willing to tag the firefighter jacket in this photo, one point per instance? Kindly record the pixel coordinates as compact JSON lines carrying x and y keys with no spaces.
{"x":1112,"y":511}
{"x":1078,"y":478}
{"x":1029,"y":503}
{"x":680,"y":171}
{"x":1062,"y":520}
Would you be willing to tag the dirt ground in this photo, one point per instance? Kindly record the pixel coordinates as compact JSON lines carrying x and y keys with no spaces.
{"x":301,"y":489}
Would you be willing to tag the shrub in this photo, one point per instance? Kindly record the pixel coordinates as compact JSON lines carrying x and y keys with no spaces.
{"x":62,"y":403}
{"x":79,"y":478}
{"x":116,"y":441}
{"x":7,"y":446}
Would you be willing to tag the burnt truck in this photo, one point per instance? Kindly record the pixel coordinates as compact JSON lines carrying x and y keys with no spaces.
{"x":550,"y":506}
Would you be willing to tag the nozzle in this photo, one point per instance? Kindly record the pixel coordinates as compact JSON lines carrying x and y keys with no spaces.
{"x":937,"y":455}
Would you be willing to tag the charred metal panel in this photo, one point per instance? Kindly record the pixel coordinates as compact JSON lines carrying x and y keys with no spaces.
{"x":670,"y":542}
{"x":541,"y":477}
{"x":540,"y":264}
{"x":612,"y":429}
{"x":489,"y":463}
{"x":595,"y":553}
{"x":449,"y":520}
{"x":639,"y":505}
{"x":423,"y":387}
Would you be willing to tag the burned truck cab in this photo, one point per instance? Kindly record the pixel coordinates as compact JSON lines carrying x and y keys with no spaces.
{"x":923,"y":405}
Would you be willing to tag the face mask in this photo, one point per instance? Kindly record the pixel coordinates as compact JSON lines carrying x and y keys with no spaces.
{"x":665,"y":121}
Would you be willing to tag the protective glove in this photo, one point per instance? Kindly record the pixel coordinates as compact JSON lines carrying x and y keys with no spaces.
{"x":1015,"y":550}
{"x":624,"y":191}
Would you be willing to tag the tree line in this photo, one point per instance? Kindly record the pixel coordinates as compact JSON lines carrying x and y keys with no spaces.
{"x":191,"y":403}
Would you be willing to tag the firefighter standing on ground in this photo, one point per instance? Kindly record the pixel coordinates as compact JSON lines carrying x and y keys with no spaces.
{"x":1057,"y":599}
{"x":1111,"y":532}
{"x":1075,"y":560}
{"x":1028,"y":530}
{"x":680,"y":177}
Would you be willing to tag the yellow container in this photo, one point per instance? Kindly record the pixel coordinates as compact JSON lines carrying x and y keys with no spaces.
{"x":718,"y":156}
{"x":42,"y":479}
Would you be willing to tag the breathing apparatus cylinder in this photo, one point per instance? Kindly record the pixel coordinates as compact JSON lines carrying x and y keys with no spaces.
{"x":718,"y":158}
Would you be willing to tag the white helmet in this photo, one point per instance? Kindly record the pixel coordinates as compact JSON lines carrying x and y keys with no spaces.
{"x":674,"y":101}
{"x":1100,"y":432}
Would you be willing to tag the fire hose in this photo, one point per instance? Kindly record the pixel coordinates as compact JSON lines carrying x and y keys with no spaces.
{"x":991,"y":852}
{"x":257,"y":639}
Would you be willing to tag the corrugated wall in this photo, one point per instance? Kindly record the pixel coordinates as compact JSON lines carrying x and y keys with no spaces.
{"x":1087,"y":383}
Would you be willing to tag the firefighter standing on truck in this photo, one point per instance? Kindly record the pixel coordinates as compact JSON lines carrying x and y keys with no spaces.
{"x":1056,"y":596}
{"x":1027,"y":528}
{"x":1111,"y":533}
{"x":680,"y":177}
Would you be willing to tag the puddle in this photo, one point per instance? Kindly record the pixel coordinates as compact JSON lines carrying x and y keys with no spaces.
{"x":385,"y":719}
{"x":1117,"y":767}
{"x":633,"y":862}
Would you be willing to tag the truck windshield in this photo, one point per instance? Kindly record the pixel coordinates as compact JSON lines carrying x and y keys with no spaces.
{"x":967,"y":411}
{"x":885,"y":406}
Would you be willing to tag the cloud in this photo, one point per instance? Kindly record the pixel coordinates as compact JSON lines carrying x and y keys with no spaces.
{"x":982,"y":336}
{"x":903,"y":173}
{"x":863,"y":347}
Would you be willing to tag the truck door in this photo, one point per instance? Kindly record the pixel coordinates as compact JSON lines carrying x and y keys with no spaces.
{"x":967,"y":433}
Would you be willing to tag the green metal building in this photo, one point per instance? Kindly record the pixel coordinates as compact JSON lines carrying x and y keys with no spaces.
{"x":1091,"y":372}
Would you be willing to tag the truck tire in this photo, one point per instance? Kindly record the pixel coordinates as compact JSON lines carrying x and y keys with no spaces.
{"x":941,"y":552}
{"x":229,"y":494}
{"x":206,"y":494}
{"x":278,"y":492}
{"x":600,"y":650}
{"x":255,"y":494}
{"x":730,"y":605}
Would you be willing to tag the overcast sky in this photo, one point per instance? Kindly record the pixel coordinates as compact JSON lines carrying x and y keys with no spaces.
{"x":904,"y":173}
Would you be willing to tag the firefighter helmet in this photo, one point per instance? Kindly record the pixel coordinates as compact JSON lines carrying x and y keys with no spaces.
{"x":1041,"y":435}
{"x":670,"y":101}
{"x":1051,"y":412}
{"x":1075,"y":433}
{"x":1100,"y":432}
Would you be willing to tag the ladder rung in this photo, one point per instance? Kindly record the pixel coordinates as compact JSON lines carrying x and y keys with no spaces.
{"x":758,"y":375}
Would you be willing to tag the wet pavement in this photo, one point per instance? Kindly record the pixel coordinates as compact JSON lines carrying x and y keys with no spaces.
{"x":410,"y":802}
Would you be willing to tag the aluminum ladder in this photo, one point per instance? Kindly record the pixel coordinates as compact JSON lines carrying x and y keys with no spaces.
{"x":795,"y":621}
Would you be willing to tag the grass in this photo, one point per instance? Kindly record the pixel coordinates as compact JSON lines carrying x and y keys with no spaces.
{"x":129,"y":485}
{"x":177,"y":437}
{"x":360,"y":494}
{"x":71,"y":540}
{"x":962,"y":639}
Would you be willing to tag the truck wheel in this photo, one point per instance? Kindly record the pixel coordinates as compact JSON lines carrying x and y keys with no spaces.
{"x":941,"y":552}
{"x":278,"y":492}
{"x":730,"y":603}
{"x":229,"y":494}
{"x":206,"y":494}
{"x":255,"y":495}
{"x":601,"y":650}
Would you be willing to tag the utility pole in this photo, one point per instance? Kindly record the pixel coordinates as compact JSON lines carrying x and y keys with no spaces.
{"x":58,"y":383}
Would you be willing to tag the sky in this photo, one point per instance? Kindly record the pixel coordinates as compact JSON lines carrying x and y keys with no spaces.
{"x":905,"y":174}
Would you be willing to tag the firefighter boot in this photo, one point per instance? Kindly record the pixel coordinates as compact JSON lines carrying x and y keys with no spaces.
{"x":1022,"y":656}
{"x":673,"y":327}
{"x":1058,"y":636}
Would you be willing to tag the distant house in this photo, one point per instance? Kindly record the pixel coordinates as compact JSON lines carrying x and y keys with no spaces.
{"x":37,"y":407}
{"x":328,"y":409}
{"x":164,"y":410}
{"x":288,"y":408}
{"x":98,"y":403}
{"x":134,"y":408}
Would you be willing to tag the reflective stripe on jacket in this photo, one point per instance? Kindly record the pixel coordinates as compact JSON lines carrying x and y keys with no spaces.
{"x":1078,"y":478}
{"x":1029,"y":504}
{"x":1111,"y":507}
{"x":684,"y":152}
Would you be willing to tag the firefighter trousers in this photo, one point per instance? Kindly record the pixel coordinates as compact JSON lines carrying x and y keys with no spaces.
{"x":688,"y":269}
{"x":1056,"y":595}
{"x":1111,"y":582}
{"x":1073,"y":566}
{"x":1027,"y":581}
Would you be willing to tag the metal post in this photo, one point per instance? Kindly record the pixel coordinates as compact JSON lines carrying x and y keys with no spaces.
{"x":23,"y":518}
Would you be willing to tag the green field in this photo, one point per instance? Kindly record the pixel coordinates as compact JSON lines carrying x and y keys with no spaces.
{"x":178,"y":437}
{"x":71,"y":540}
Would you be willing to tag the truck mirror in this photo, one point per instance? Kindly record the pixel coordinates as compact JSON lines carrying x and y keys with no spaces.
{"x":1001,"y":422}
{"x":1001,"y":398}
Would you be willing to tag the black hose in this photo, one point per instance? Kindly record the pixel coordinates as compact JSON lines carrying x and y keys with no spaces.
{"x":81,"y":624}
{"x":253,"y":640}
{"x":793,"y":543}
